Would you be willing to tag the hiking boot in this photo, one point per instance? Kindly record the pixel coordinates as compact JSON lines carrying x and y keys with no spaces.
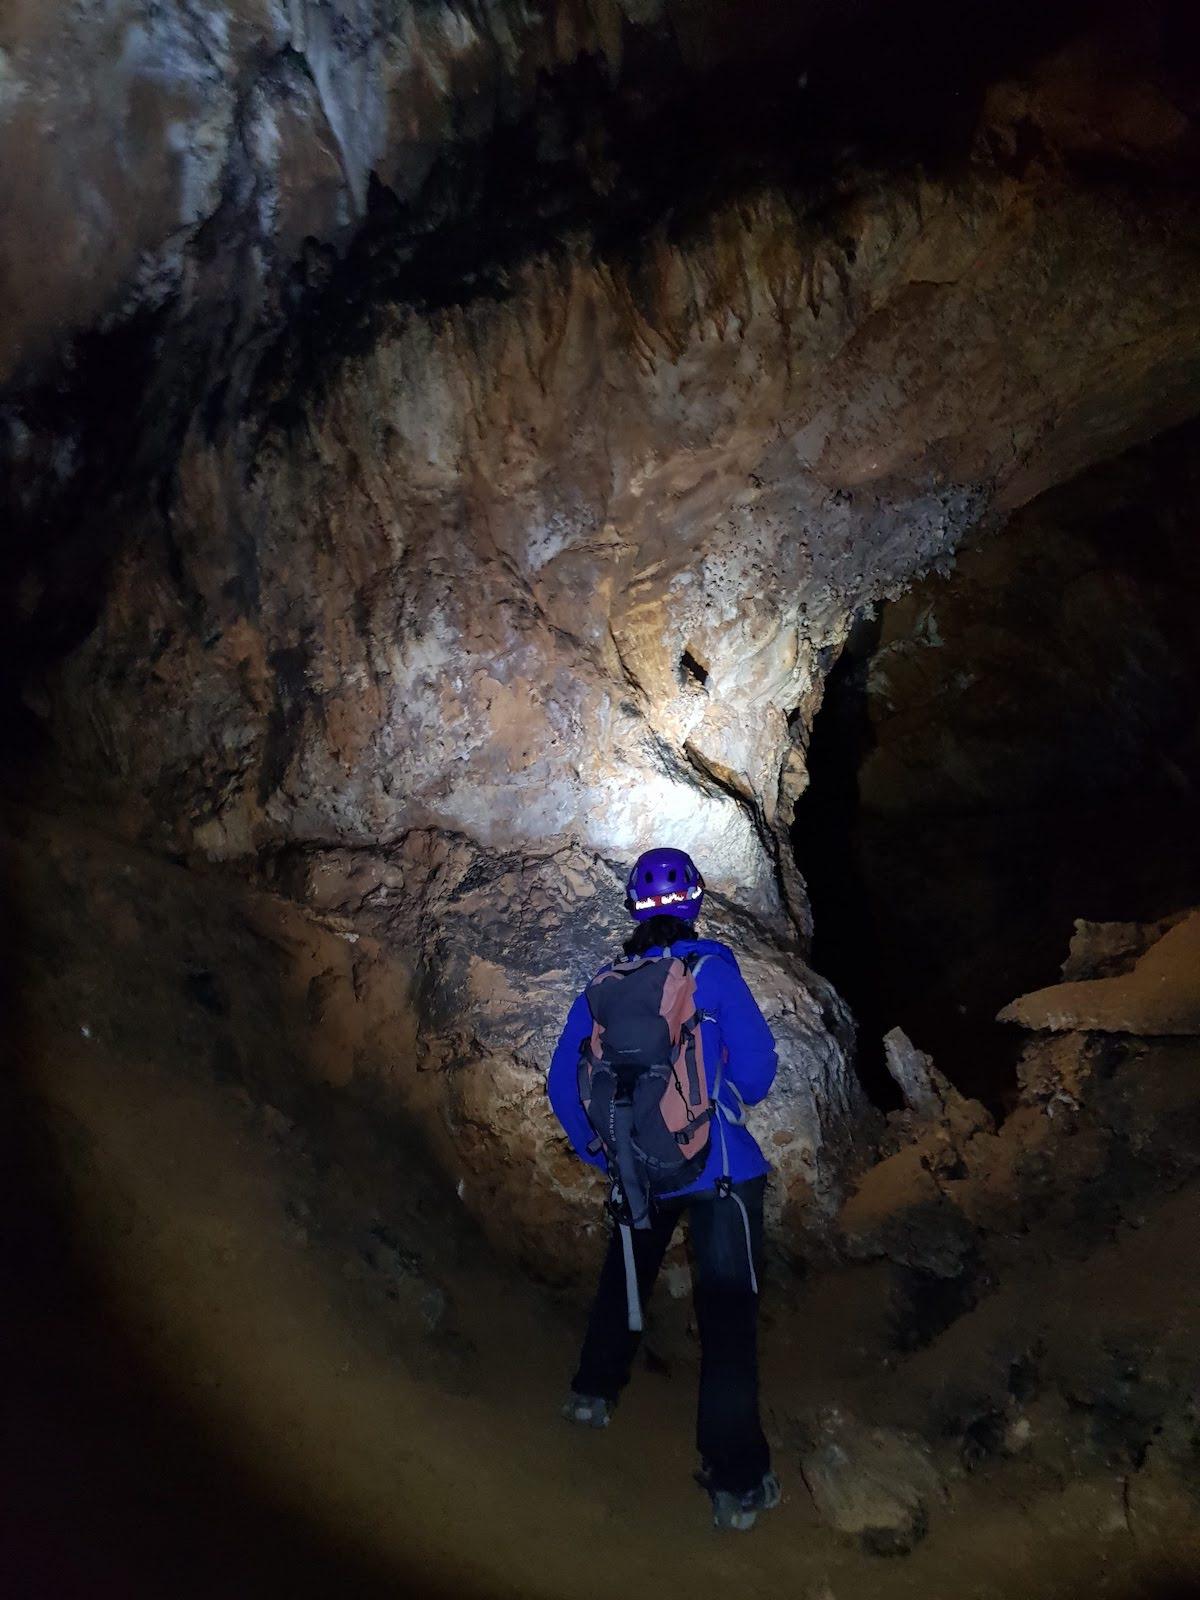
{"x":739,"y":1512}
{"x":588,"y":1410}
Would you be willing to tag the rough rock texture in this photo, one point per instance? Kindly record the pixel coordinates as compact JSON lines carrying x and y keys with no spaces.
{"x":462,"y":587}
{"x":510,"y":551}
{"x":464,"y":593}
{"x":871,"y":1482}
{"x":258,"y":121}
{"x":575,"y":547}
{"x":1107,"y":949}
{"x":281,"y":1258}
{"x":1035,"y":1271}
{"x":427,"y":985}
{"x":1159,"y":994}
{"x":929,"y":1095}
{"x":160,"y":156}
{"x":495,"y":946}
{"x":900,"y":1207}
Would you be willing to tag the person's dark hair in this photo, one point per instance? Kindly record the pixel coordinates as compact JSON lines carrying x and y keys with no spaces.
{"x":660,"y":930}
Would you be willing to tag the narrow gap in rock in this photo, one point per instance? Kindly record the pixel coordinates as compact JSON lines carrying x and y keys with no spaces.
{"x":690,"y":670}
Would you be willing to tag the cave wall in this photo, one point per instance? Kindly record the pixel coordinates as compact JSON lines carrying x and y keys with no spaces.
{"x":473,"y":563}
{"x":454,"y":585}
{"x":599,"y":522}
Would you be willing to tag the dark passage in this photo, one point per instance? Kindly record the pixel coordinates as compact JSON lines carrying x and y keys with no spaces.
{"x":1003,"y":752}
{"x":827,"y":839}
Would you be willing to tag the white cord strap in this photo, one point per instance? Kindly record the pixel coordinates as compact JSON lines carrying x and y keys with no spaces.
{"x":741,"y":1205}
{"x":633,"y":1298}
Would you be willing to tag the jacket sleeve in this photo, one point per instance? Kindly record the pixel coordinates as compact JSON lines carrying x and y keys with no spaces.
{"x":744,"y":1032}
{"x":562,"y":1083}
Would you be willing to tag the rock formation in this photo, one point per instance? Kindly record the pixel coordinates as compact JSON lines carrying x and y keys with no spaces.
{"x":1159,"y":994}
{"x":1035,"y":1270}
{"x":870,"y":1482}
{"x":461,"y":569}
{"x":448,"y":445}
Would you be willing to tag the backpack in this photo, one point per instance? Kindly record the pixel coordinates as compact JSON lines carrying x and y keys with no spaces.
{"x":641,"y":1077}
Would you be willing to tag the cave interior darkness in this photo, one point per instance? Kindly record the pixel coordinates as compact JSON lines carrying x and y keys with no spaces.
{"x":989,"y":765}
{"x":440,"y":439}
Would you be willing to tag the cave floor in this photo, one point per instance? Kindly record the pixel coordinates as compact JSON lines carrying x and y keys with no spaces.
{"x":216,"y":1399}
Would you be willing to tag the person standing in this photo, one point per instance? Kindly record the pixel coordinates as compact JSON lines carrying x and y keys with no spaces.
{"x":658,"y":1059}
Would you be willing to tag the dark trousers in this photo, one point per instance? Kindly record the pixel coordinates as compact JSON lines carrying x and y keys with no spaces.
{"x":729,"y":1435}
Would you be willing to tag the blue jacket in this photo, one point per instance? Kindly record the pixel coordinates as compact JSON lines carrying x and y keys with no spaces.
{"x":738,"y":1027}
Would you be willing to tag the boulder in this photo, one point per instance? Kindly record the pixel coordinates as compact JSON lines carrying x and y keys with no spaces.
{"x":876,"y":1484}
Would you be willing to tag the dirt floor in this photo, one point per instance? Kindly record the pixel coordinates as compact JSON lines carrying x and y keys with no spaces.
{"x":253,"y":1358}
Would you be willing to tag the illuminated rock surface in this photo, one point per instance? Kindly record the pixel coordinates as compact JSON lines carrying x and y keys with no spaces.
{"x":444,"y":449}
{"x":552,"y":555}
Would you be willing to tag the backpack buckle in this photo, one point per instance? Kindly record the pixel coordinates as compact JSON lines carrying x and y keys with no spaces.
{"x":724,"y":1188}
{"x":617,"y":1206}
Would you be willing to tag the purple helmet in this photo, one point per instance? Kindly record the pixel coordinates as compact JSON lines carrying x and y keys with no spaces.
{"x":664,"y":881}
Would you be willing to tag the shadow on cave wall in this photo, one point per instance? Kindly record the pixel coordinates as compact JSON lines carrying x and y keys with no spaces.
{"x":1004,"y":752}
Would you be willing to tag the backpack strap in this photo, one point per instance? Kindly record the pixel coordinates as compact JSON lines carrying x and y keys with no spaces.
{"x":633,"y":1299}
{"x":630,"y":1177}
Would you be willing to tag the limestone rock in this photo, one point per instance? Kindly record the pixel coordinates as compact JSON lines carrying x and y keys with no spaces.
{"x":904,"y":1207}
{"x":929,"y":1095}
{"x":467,"y":587}
{"x":465,"y":580}
{"x":875,"y":1483}
{"x":128,"y":133}
{"x":1160,"y":994}
{"x":496,"y":945}
{"x":1107,"y":949}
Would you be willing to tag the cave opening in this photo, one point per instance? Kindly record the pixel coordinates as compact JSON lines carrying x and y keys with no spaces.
{"x":1002,"y":751}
